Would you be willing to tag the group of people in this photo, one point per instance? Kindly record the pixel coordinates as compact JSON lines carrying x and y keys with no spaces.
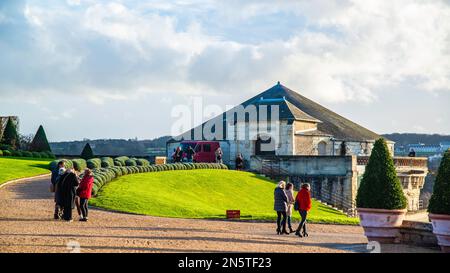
{"x":187,"y":155}
{"x":71,"y":190}
{"x":285,"y":203}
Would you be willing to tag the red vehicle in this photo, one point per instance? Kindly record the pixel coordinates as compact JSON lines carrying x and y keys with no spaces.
{"x":205,"y":151}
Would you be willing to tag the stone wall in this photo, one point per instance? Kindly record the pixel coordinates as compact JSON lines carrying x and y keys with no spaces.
{"x":332,"y":178}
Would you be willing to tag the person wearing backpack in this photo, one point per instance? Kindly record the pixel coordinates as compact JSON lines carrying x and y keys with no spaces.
{"x":303,"y":205}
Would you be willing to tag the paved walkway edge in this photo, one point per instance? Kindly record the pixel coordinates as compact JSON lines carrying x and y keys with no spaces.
{"x":25,"y":179}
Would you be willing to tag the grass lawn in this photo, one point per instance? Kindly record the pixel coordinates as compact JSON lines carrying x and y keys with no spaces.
{"x":13,"y":168}
{"x":201,"y":194}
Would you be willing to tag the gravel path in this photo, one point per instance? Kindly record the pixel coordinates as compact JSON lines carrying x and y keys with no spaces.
{"x":26,"y":225}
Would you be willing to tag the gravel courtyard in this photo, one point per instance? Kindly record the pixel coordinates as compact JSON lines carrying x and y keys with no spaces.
{"x":26,"y":225}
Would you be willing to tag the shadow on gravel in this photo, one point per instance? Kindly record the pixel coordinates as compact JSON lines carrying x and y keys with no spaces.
{"x":32,"y":190}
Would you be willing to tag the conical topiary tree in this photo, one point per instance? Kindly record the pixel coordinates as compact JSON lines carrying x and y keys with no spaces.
{"x":440,"y":200}
{"x":40,"y":142}
{"x":380,"y":187}
{"x":10,"y":136}
{"x":87,"y":152}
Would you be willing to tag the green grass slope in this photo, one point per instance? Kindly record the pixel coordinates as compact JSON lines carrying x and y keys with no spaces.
{"x":201,"y":194}
{"x":13,"y":168}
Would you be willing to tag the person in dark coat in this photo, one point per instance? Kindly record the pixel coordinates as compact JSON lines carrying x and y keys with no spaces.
{"x":190,"y":154}
{"x":239,"y":162}
{"x":67,"y":187}
{"x":303,"y":199}
{"x":178,"y":155}
{"x":280,"y":206}
{"x":56,"y":174}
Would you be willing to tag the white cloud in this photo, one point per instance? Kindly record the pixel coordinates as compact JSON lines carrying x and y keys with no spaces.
{"x":331,"y":51}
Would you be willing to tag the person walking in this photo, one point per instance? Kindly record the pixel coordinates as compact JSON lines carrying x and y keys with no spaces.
{"x":84,"y":192}
{"x":190,"y":154}
{"x":56,"y":174}
{"x":67,"y":187}
{"x":303,"y":199}
{"x":280,"y":206}
{"x":239,"y":162}
{"x":178,"y":154}
{"x":219,"y":155}
{"x":290,"y":205}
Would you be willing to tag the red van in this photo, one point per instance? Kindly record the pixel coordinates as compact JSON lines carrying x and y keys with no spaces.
{"x":205,"y":151}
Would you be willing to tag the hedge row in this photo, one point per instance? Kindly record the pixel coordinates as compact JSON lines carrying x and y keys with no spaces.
{"x":105,"y":175}
{"x":26,"y":154}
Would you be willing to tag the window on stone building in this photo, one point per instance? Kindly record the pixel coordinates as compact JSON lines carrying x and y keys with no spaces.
{"x":322,"y":148}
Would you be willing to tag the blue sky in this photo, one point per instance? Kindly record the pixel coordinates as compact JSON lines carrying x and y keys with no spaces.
{"x":115,"y":69}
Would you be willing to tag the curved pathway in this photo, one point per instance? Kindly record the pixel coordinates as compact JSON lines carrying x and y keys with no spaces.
{"x":26,"y":225}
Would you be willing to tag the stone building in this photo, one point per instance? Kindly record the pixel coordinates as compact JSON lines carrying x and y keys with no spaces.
{"x":303,"y":127}
{"x":288,"y":136}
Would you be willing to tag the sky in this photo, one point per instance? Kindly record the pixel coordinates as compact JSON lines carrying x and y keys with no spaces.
{"x":116,"y":69}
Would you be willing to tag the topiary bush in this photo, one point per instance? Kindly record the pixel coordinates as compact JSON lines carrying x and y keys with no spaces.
{"x":130,"y":162}
{"x":1,"y":153}
{"x":87,"y":152}
{"x":142,"y":162}
{"x":440,"y":200}
{"x":17,"y":153}
{"x":121,"y":159}
{"x":7,"y":153}
{"x":79,"y":164}
{"x":380,"y":187}
{"x":27,"y":154}
{"x":107,"y":162}
{"x":36,"y":154}
{"x":94,"y":163}
{"x":67,"y":164}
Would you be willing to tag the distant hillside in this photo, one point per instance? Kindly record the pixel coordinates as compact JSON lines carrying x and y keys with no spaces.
{"x":411,"y":138}
{"x":113,"y":147}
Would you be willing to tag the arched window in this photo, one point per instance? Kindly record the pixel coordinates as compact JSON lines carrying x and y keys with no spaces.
{"x":322,"y":148}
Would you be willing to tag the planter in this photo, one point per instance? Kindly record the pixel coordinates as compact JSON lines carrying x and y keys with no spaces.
{"x":381,"y":225}
{"x":441,"y":228}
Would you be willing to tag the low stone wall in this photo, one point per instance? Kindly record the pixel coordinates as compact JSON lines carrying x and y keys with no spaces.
{"x":418,"y":234}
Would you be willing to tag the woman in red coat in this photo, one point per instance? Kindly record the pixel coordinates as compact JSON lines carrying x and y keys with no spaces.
{"x":84,"y":192}
{"x":304,"y":205}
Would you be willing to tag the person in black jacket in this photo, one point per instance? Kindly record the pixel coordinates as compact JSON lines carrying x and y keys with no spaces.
{"x":56,"y":174}
{"x":239,"y":162}
{"x":280,"y":206}
{"x":67,"y":190}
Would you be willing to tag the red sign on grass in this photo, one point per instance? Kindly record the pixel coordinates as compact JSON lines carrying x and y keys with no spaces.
{"x":233,"y":214}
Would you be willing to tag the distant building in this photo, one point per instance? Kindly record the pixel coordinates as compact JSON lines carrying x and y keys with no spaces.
{"x":427,"y":149}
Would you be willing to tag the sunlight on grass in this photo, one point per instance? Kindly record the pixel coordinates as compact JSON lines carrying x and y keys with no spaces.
{"x":13,"y":168}
{"x":202,"y":194}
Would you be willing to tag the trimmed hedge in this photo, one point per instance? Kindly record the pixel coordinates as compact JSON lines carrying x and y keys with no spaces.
{"x":19,"y":153}
{"x":105,"y":175}
{"x":94,"y":163}
{"x":130,"y":162}
{"x":79,"y":164}
{"x":142,"y":162}
{"x":380,"y":187}
{"x":67,"y":164}
{"x":121,"y":160}
{"x":107,"y":162}
{"x":440,"y":200}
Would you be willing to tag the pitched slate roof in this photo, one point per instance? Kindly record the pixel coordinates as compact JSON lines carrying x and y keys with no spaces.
{"x":331,"y":123}
{"x":294,"y":106}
